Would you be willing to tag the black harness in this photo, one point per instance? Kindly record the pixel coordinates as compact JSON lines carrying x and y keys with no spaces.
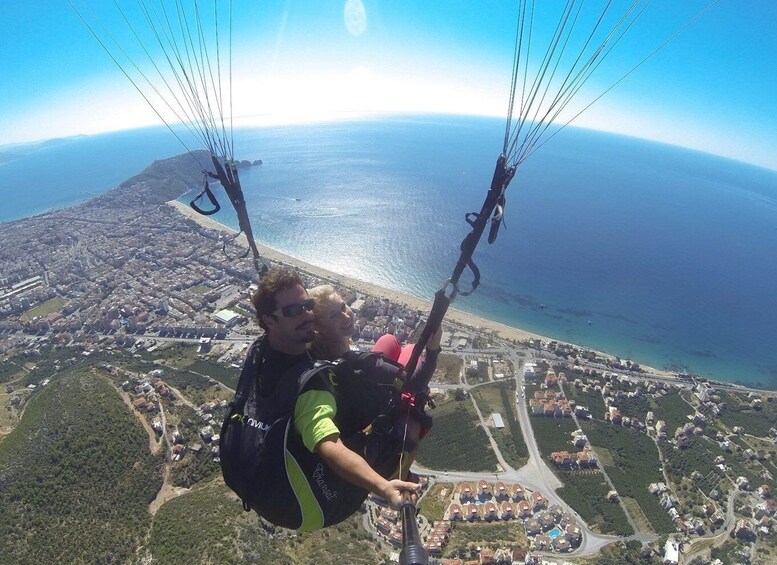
{"x":262,"y":454}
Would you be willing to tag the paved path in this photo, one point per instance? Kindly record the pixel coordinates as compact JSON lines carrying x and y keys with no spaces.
{"x":535,"y":475}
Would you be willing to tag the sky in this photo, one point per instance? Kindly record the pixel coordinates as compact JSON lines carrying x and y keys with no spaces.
{"x":711,"y":88}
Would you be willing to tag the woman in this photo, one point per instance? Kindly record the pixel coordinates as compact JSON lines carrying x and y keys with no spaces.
{"x":334,"y":325}
{"x":333,"y":322}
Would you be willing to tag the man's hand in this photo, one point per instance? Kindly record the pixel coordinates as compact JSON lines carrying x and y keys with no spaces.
{"x":395,"y":491}
{"x":353,"y":468}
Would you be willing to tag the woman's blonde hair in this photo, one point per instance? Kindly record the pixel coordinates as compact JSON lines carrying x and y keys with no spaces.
{"x":322,"y":294}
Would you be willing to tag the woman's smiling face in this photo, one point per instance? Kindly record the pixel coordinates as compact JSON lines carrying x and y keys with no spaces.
{"x":334,"y":318}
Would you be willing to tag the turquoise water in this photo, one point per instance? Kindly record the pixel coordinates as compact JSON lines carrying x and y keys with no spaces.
{"x":554,"y":533}
{"x":647,"y":251}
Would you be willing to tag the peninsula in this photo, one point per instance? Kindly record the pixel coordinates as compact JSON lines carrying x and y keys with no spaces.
{"x":541,"y":450}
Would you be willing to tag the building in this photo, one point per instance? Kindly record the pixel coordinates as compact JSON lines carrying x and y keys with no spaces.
{"x":227,"y":317}
{"x":671,"y":552}
{"x":538,"y":501}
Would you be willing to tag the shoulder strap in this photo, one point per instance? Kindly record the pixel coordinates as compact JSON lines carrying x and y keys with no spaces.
{"x":318,"y":368}
{"x":251,"y":366}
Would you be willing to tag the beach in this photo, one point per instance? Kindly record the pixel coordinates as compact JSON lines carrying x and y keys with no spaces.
{"x":369,"y":289}
{"x":453,"y":315}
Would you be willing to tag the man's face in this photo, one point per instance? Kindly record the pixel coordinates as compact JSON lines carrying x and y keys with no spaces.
{"x":290,"y":333}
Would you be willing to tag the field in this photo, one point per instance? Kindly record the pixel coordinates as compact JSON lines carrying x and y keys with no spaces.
{"x":226,"y":375}
{"x":586,"y":492}
{"x":635,"y":465}
{"x":499,"y":397}
{"x":48,"y":307}
{"x":672,"y":409}
{"x":199,"y":289}
{"x":465,"y":536}
{"x":433,"y":504}
{"x":591,"y":399}
{"x":553,"y":434}
{"x":636,"y":513}
{"x":739,"y":412}
{"x":477,"y":374}
{"x":9,"y":369}
{"x":457,"y":442}
{"x":448,"y":369}
{"x":179,"y":355}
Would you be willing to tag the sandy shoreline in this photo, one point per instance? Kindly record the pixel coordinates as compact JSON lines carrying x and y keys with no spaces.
{"x":504,"y":331}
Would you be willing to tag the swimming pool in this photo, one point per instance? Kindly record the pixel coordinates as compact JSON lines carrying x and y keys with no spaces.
{"x":554,"y":533}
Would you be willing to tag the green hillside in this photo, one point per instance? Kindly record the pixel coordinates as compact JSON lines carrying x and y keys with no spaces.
{"x":76,"y":477}
{"x":208,"y":525}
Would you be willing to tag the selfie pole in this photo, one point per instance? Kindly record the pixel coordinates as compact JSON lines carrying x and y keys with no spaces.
{"x":413,"y":553}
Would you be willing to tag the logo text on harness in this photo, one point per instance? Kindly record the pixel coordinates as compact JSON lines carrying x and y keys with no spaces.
{"x":318,"y":475}
{"x":251,"y":422}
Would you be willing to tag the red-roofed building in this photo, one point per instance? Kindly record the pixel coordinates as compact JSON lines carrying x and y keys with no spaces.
{"x":395,"y":538}
{"x":465,"y":492}
{"x":538,"y":501}
{"x":487,"y":557}
{"x":524,"y":509}
{"x":390,"y":515}
{"x":383,"y":526}
{"x":517,"y":492}
{"x":490,"y":511}
{"x":433,"y":546}
{"x":537,"y":407}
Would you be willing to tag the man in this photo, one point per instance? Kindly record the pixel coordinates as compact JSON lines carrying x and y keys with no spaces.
{"x":285,"y":312}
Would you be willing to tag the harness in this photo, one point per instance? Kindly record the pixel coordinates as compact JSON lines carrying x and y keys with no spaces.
{"x":264,"y":460}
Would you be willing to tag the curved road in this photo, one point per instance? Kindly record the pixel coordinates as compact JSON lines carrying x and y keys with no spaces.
{"x":535,"y":475}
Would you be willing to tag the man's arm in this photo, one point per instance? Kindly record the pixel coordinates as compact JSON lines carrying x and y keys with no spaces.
{"x":353,"y":468}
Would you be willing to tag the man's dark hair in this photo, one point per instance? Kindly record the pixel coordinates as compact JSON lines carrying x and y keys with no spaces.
{"x":272,"y":282}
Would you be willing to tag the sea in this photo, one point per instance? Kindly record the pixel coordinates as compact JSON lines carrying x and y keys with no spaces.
{"x":654,"y":253}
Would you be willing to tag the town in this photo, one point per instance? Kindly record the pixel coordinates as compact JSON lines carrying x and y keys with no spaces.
{"x":585,"y":451}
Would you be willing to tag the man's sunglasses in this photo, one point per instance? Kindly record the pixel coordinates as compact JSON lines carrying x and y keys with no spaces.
{"x":294,"y":310}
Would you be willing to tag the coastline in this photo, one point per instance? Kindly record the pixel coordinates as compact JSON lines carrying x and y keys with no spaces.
{"x":458,"y":316}
{"x":360,"y":286}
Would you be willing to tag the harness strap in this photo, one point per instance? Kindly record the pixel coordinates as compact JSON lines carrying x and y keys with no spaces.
{"x":206,"y":192}
{"x":493,"y":204}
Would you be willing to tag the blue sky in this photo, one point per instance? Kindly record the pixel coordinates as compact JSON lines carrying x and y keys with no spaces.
{"x":713,"y":88}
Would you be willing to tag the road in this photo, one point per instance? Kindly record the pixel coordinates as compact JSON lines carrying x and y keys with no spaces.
{"x":535,"y":475}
